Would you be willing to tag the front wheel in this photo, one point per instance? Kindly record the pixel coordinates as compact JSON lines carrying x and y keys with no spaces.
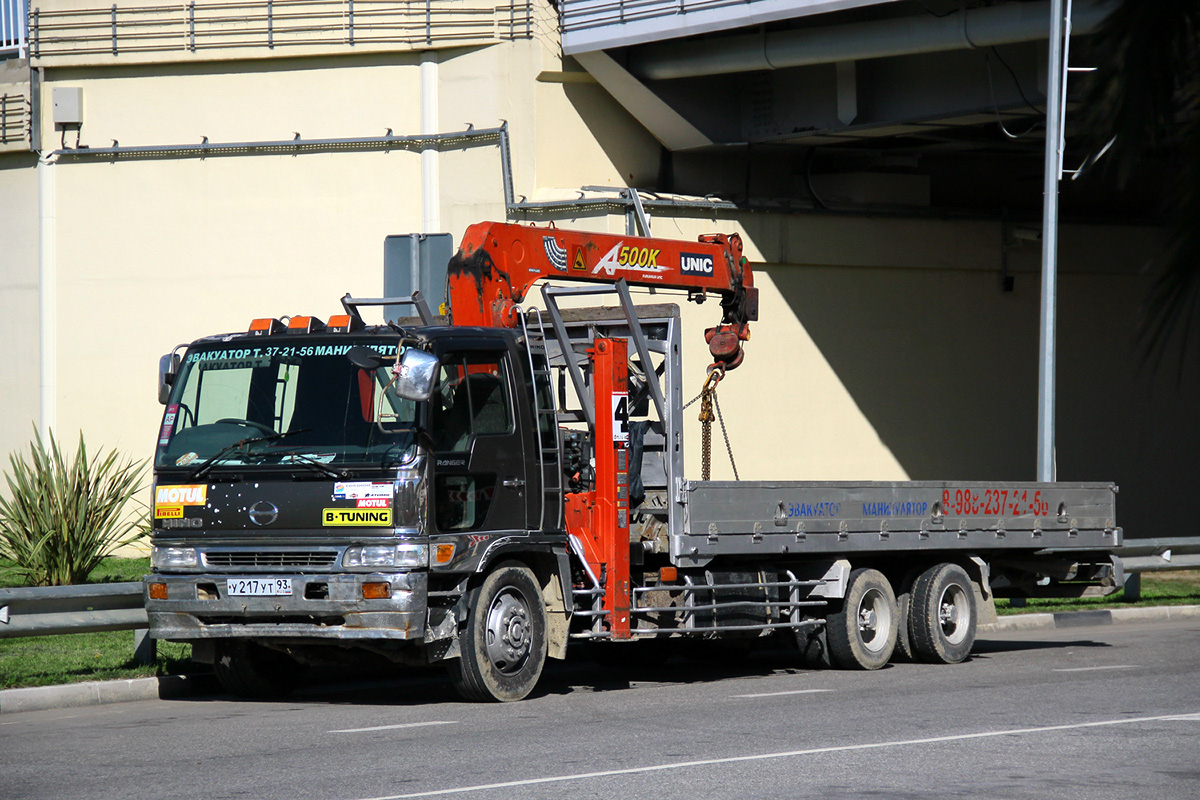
{"x":504,"y":643}
{"x":862,"y":635}
{"x":941,"y":622}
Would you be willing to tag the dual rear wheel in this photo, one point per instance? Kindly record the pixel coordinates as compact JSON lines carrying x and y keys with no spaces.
{"x":934,"y":622}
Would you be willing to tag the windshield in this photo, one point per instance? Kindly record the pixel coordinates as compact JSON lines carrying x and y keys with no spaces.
{"x":304,"y":405}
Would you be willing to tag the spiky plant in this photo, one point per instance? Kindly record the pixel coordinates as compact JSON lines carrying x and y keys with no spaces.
{"x":63,"y":516}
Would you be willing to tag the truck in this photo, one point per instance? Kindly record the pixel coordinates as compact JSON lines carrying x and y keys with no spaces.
{"x":486,"y":485}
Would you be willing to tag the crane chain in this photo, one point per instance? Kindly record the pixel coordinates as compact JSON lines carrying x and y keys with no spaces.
{"x":708,"y":402}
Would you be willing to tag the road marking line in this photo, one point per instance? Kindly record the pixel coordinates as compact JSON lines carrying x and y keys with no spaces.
{"x":781,"y":694}
{"x":401,"y":725}
{"x":608,"y":773}
{"x":1094,"y":669}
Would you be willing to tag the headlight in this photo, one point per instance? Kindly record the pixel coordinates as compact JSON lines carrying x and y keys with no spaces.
{"x":389,"y":555}
{"x":173,"y":557}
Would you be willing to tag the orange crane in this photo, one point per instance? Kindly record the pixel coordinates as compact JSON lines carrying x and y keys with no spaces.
{"x":498,"y":262}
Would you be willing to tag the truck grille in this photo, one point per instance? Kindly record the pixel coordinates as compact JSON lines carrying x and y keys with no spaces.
{"x":270,"y":558}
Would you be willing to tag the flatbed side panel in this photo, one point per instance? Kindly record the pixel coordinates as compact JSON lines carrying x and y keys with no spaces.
{"x":822,"y":517}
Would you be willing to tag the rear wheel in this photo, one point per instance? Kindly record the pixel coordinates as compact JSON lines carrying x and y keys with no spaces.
{"x":504,"y":643}
{"x":251,"y":670}
{"x":862,"y":635}
{"x":941,"y":618}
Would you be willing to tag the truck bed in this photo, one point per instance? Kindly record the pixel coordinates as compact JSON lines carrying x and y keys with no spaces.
{"x":830,"y":517}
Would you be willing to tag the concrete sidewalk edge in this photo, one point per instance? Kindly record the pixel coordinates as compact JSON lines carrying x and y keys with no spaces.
{"x":1087,"y":619}
{"x":95,"y":693}
{"x":98,"y":693}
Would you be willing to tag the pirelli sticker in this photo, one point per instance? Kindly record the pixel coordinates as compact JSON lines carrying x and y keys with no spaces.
{"x":356,"y":517}
{"x":170,"y":500}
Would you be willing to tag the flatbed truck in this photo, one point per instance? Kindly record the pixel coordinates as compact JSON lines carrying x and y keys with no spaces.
{"x":486,"y":486}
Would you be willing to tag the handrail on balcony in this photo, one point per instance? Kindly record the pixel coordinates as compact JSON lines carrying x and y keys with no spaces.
{"x":14,"y":22}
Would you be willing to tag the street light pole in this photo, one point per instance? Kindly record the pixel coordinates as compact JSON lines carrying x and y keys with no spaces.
{"x":1055,"y":99}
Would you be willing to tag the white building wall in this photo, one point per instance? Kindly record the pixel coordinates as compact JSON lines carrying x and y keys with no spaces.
{"x":886,"y":349}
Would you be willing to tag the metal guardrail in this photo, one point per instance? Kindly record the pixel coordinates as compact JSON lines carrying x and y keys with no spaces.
{"x":1152,"y":555}
{"x":46,"y":610}
{"x":42,"y":611}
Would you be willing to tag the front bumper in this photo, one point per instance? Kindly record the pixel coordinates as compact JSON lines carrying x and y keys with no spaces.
{"x":320,"y":607}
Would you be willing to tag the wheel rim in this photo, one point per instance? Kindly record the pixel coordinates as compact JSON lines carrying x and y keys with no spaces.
{"x":954,"y":613}
{"x":508,"y":632}
{"x":874,"y":620}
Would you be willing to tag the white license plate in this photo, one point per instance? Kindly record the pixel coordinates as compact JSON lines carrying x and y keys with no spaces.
{"x":258,"y":587}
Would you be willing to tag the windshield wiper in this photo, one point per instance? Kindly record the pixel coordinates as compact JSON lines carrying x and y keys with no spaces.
{"x":317,"y":464}
{"x":211,"y":461}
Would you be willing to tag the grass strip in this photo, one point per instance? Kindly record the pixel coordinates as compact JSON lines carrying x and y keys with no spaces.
{"x":1158,"y":589}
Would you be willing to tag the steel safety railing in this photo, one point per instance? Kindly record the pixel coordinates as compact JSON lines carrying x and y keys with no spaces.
{"x":14,"y":22}
{"x":580,"y":15}
{"x":49,"y":610}
{"x":203,"y":25}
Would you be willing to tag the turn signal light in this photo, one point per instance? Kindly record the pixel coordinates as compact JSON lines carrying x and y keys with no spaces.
{"x":668,"y":575}
{"x":376,"y":591}
{"x":444,"y":553}
{"x":158,"y":591}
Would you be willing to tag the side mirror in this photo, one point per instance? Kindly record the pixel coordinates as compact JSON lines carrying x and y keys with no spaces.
{"x":415,"y":374}
{"x":168,"y":368}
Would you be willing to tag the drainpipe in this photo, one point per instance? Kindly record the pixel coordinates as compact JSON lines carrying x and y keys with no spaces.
{"x":47,"y":298}
{"x":430,"y":196}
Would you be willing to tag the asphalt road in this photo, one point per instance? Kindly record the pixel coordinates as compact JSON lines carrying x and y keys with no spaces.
{"x":1103,"y":712}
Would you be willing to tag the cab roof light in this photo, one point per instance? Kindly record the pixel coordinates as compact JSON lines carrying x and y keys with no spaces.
{"x":265,"y":327}
{"x":344,"y":323}
{"x":305,"y":325}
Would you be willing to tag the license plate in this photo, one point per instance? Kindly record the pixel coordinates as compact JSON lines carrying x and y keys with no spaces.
{"x":258,"y":587}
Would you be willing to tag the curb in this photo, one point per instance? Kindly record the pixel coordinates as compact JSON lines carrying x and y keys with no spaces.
{"x":98,"y":693}
{"x":168,"y":687}
{"x":1087,"y":619}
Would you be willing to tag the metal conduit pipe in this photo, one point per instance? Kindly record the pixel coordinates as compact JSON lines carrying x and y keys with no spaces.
{"x":979,"y":27}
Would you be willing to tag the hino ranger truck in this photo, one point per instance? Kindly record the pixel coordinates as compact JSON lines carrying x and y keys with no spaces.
{"x":486,"y":485}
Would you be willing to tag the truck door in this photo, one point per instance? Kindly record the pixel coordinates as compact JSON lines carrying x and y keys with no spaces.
{"x":479,"y":456}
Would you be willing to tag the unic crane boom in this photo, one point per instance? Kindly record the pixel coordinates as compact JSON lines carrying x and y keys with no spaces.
{"x":498,"y":262}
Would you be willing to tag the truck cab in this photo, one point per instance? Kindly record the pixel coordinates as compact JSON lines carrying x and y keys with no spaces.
{"x":299,"y":498}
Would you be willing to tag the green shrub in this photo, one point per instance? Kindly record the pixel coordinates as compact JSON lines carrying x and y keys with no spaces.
{"x":62,"y":517}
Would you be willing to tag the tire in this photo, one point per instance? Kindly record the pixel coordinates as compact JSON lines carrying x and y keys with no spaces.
{"x":250,"y":670}
{"x":942,"y":617}
{"x":862,"y":635}
{"x":904,"y":647}
{"x":504,"y":643}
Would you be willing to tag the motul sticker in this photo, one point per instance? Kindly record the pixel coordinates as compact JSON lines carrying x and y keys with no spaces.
{"x":373,"y":502}
{"x":361,"y":490}
{"x":186,"y":495}
{"x":358,"y":517}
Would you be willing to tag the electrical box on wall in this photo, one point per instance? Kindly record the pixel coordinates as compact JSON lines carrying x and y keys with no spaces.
{"x":68,"y":105}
